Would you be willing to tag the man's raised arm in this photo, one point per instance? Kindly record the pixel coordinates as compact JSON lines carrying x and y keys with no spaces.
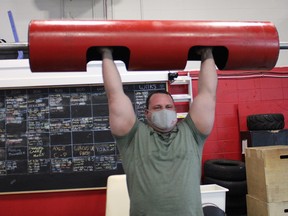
{"x":202,"y":110}
{"x":121,"y":113}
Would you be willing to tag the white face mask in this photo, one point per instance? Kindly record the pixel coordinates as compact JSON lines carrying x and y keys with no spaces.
{"x":164,"y":119}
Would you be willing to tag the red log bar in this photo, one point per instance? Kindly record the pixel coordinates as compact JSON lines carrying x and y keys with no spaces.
{"x":62,"y":45}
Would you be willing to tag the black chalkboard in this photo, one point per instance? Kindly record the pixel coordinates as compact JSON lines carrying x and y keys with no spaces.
{"x":59,"y":138}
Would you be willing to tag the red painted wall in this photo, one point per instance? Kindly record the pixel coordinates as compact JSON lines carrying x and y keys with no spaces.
{"x":237,"y":97}
{"x":86,"y":203}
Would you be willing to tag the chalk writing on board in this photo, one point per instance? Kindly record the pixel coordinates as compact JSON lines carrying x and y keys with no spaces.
{"x":60,"y":131}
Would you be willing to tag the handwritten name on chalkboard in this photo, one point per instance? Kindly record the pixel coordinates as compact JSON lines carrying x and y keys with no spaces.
{"x":59,"y":138}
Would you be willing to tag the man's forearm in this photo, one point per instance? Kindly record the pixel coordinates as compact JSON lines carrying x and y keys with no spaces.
{"x":208,"y":74}
{"x":111,"y":76}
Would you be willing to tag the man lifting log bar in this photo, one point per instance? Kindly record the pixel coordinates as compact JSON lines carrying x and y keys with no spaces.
{"x":162,"y":159}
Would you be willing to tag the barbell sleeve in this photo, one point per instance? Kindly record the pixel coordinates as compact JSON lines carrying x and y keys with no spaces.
{"x":283,"y":45}
{"x":14,"y":46}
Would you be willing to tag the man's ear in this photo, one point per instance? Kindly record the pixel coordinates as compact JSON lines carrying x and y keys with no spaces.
{"x":147,"y":112}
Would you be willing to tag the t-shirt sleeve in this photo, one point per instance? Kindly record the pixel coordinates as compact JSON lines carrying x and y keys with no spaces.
{"x":124,"y":141}
{"x":198,"y":136}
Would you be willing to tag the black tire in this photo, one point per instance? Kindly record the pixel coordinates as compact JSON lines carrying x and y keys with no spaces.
{"x":236,"y":212}
{"x":211,"y":210}
{"x":265,"y":122}
{"x":222,"y":169}
{"x":236,"y":188}
{"x":238,"y":202}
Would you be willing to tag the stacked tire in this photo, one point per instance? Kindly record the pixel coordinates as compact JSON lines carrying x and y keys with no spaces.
{"x":269,"y":121}
{"x":230,"y":174}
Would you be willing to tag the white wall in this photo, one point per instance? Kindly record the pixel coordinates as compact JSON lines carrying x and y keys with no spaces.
{"x":23,"y":11}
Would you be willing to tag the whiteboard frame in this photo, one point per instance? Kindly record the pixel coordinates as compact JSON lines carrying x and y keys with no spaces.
{"x":17,"y":74}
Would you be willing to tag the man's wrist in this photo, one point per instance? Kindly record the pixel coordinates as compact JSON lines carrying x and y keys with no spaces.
{"x":207,"y":54}
{"x":106,"y":53}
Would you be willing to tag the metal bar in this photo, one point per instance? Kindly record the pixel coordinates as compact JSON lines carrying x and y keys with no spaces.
{"x":25,"y":46}
{"x":13,"y":46}
{"x":283,"y":45}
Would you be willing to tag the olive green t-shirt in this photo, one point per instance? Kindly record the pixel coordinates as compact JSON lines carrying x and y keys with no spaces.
{"x":163,"y":171}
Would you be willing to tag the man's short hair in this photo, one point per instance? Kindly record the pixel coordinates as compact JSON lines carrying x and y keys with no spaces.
{"x":156,"y":92}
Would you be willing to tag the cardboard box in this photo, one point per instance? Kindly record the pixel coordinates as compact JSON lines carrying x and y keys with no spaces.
{"x":267,"y":173}
{"x":256,"y":207}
